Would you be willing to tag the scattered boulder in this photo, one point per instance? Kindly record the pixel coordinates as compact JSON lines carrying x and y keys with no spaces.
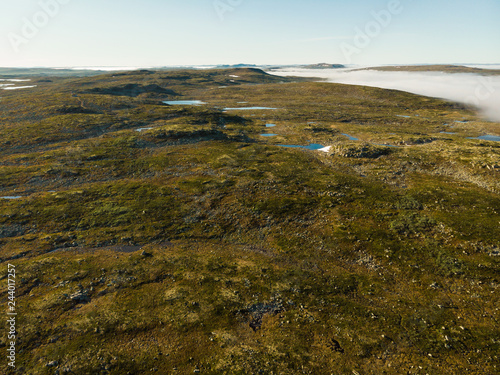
{"x":257,"y":311}
{"x":80,"y":297}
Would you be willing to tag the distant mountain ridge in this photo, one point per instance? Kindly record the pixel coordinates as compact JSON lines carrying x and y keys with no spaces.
{"x":434,"y":68}
{"x":324,"y":66}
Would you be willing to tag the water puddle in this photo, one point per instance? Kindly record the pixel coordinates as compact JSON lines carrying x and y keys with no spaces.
{"x":493,"y":138}
{"x":351,"y":137}
{"x":142,"y":129}
{"x":404,"y":116}
{"x":11,"y":197}
{"x":312,"y":146}
{"x":248,"y":108}
{"x":268,"y":135}
{"x":270,"y":125}
{"x":18,"y":87}
{"x":386,"y":145}
{"x":450,"y":133}
{"x":184,"y":102}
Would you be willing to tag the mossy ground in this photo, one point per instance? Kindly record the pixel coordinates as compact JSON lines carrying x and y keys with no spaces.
{"x":201,"y":246}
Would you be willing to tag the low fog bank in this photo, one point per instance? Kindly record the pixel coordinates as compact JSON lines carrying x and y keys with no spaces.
{"x":471,"y":89}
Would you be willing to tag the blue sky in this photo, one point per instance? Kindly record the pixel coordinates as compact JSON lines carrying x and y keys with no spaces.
{"x":206,"y":32}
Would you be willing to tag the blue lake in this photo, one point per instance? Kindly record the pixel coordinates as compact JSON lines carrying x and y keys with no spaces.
{"x":184,"y":102}
{"x":270,"y":125}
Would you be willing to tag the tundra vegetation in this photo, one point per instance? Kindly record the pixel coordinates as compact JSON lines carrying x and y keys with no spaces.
{"x":177,"y":239}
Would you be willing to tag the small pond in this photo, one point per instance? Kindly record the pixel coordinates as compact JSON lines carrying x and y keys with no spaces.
{"x":248,"y":108}
{"x":351,"y":137}
{"x":312,"y":146}
{"x":184,"y":102}
{"x":494,"y":138}
{"x":18,"y":87}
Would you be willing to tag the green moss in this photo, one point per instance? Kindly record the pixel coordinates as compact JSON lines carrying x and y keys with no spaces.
{"x":412,"y":224}
{"x":199,"y":244}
